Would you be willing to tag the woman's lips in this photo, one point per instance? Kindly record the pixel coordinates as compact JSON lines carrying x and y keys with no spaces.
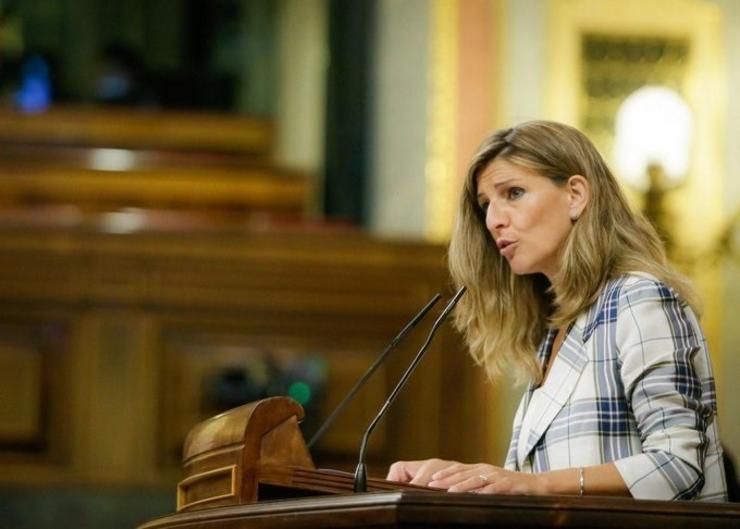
{"x":508,"y":249}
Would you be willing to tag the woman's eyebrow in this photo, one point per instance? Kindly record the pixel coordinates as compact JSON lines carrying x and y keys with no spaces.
{"x":504,"y":182}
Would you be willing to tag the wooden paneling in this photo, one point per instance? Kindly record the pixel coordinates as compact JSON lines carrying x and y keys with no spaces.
{"x":196,"y":360}
{"x":35,"y":365}
{"x":147,"y":321}
{"x":21,"y":385}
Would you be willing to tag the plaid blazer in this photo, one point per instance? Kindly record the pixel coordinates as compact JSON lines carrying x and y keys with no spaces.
{"x":632,"y":384}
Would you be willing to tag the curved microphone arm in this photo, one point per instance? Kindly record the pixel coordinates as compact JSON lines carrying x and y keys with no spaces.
{"x":361,"y":470}
{"x":361,"y":382}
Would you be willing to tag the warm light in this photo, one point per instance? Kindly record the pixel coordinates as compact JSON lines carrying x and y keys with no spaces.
{"x":654,"y":127}
{"x":112,"y":159}
{"x":122,"y":221}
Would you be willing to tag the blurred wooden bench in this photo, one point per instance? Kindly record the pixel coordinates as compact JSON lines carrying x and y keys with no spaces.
{"x":107,"y":159}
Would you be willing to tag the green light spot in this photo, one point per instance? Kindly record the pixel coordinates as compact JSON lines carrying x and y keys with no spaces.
{"x":300,"y":391}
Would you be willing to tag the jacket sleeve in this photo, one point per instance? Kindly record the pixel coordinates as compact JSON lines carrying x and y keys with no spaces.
{"x":658,"y":339}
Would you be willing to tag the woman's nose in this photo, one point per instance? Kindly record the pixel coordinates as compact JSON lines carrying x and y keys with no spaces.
{"x":496,"y":219}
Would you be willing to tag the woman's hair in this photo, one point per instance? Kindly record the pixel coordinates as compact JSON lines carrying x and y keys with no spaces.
{"x":503,"y":316}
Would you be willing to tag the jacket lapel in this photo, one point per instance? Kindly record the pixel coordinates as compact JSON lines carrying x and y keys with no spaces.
{"x":512,"y":458}
{"x":564,"y":374}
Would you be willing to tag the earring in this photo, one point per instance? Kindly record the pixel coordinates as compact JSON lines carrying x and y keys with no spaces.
{"x":573,"y":216}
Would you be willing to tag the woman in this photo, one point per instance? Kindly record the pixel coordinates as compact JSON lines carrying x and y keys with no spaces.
{"x":572,"y":290}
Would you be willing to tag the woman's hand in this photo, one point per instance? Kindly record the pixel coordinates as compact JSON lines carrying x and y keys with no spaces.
{"x":482,"y":478}
{"x":487,"y":479}
{"x":417,"y":472}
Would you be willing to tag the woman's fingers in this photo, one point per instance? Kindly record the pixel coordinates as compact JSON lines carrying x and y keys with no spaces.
{"x":463,"y":478}
{"x":470,"y":484}
{"x":427,"y":470}
{"x":400,"y":471}
{"x":450,"y":470}
{"x":416,"y":472}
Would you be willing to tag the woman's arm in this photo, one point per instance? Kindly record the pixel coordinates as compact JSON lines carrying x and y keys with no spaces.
{"x":666,"y":379}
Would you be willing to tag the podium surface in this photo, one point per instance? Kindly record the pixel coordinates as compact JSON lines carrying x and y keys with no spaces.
{"x":416,"y":509}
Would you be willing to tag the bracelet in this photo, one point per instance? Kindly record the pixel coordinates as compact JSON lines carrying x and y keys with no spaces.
{"x":581,"y":481}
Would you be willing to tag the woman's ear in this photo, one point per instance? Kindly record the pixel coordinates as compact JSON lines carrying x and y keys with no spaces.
{"x":579,"y":192}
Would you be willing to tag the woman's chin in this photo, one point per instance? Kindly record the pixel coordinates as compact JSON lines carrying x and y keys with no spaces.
{"x":518,"y":268}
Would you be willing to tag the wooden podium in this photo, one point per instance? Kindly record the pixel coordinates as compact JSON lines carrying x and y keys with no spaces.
{"x":250,"y":467}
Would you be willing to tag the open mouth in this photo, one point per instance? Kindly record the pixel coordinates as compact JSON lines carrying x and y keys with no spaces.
{"x":503,"y":244}
{"x":506,"y":248}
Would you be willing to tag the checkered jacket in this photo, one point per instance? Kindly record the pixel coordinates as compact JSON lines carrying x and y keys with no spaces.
{"x":632,"y":384}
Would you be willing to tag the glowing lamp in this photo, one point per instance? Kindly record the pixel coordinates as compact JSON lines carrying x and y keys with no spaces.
{"x":654,"y":129}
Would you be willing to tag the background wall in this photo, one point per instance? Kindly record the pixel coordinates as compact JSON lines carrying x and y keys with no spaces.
{"x":730,"y":404}
{"x":397,"y":197}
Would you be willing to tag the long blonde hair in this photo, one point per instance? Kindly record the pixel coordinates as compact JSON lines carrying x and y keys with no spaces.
{"x":504,"y":317}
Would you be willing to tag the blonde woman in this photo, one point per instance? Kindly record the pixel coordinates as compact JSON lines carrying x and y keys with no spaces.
{"x":570,"y":289}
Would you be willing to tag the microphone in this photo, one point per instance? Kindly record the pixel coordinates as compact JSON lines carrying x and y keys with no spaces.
{"x":361,"y":382}
{"x":360,"y":483}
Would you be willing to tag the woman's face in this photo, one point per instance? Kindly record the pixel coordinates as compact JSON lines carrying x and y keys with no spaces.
{"x":528,"y":215}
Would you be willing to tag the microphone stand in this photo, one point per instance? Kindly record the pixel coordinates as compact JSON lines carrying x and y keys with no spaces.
{"x":360,"y":483}
{"x":361,"y":382}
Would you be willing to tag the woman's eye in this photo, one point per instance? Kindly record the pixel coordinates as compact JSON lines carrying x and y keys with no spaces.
{"x":515,"y":192}
{"x":483,"y":206}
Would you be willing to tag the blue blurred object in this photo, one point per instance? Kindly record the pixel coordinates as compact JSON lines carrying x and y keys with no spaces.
{"x":34,"y":94}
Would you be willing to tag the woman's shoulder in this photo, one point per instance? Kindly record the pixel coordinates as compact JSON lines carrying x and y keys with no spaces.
{"x":636,"y":286}
{"x":628,"y":292}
